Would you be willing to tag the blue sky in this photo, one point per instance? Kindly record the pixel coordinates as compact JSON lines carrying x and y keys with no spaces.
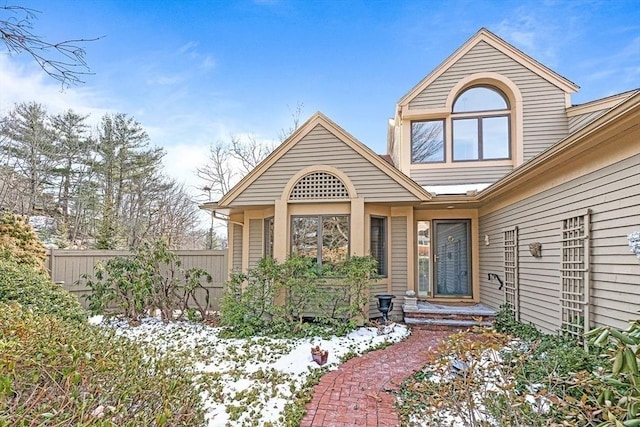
{"x":193,"y":72}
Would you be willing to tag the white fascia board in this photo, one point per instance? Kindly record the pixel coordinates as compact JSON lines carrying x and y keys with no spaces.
{"x":458,"y":189}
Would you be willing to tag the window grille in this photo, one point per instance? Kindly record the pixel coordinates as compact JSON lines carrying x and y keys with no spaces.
{"x":319,"y":185}
{"x":511,"y":282}
{"x":574,"y":277}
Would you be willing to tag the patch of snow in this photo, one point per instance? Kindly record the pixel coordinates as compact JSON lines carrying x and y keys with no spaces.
{"x":96,"y":320}
{"x":273,"y":369}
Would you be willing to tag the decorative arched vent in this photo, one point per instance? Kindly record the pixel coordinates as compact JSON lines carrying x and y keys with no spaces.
{"x":319,"y":185}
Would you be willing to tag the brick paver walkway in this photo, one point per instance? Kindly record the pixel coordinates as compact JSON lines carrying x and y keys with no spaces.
{"x":355,"y":394}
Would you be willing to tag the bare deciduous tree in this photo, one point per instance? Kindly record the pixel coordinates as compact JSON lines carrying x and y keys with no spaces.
{"x":295,"y":122}
{"x":217,"y":172}
{"x":228,"y":162}
{"x":64,"y":61}
{"x":249,"y":152}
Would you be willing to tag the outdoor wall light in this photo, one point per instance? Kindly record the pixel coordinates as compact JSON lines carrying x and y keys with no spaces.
{"x":536,"y":249}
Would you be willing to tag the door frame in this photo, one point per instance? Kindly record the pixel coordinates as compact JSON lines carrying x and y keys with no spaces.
{"x":436,"y":255}
{"x":449,"y":214}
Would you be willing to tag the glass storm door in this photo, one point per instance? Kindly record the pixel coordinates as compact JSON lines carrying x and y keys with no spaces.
{"x":452,"y":258}
{"x":424,"y":258}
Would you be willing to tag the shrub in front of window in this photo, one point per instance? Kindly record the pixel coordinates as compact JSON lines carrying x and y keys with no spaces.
{"x":247,"y":304}
{"x":299,"y":282}
{"x":280,"y":296}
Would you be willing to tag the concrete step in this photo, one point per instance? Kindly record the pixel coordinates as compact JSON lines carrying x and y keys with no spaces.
{"x":445,"y":324}
{"x":443,"y":317}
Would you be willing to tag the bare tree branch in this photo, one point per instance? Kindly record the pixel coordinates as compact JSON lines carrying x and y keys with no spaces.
{"x":217,"y":173}
{"x":249,"y":153}
{"x":295,"y":122}
{"x":64,"y":61}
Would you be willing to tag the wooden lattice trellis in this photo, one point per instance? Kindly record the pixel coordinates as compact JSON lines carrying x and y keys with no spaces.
{"x":319,"y":185}
{"x":574,"y":276}
{"x":511,"y":285}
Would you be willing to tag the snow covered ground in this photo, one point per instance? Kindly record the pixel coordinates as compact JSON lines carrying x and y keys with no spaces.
{"x":248,"y":381}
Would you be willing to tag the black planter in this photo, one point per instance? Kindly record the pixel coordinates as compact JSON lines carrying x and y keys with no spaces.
{"x":385,"y":305}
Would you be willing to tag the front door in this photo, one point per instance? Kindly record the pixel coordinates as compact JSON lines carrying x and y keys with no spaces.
{"x":452,"y":258}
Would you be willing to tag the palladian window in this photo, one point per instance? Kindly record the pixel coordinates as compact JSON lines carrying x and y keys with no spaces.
{"x":322,"y":237}
{"x":481,"y":125}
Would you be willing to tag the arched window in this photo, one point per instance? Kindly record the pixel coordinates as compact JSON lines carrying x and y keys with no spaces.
{"x":481,"y":121}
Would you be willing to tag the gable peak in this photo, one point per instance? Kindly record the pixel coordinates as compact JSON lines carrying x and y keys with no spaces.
{"x":484,"y":35}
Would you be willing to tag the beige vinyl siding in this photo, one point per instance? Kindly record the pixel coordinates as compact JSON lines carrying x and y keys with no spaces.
{"x":577,"y":122}
{"x":399,"y":273}
{"x":394,"y":149}
{"x":613,"y":195}
{"x":255,"y":242}
{"x":321,"y":147}
{"x":544,"y":116}
{"x":377,"y":289}
{"x":455,"y":176}
{"x":237,"y":247}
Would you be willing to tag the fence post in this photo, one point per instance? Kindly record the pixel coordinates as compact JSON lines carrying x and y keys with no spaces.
{"x":50,"y":266}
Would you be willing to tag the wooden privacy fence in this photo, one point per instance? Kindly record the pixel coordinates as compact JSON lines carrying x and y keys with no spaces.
{"x":67,"y":266}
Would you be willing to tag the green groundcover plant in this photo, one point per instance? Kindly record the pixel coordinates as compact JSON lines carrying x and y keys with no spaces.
{"x":34,"y":290}
{"x":520,"y":376}
{"x":59,"y":372}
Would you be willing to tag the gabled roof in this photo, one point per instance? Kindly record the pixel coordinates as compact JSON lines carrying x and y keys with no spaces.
{"x":320,"y":119}
{"x":512,"y":52}
{"x":601,"y":104}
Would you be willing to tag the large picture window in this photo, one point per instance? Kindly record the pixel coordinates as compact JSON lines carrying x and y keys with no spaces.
{"x":322,"y":237}
{"x":378,"y":249}
{"x":427,"y":141}
{"x":481,"y":121}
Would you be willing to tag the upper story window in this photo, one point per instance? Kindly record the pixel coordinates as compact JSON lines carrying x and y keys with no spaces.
{"x":480,"y":125}
{"x":427,"y":141}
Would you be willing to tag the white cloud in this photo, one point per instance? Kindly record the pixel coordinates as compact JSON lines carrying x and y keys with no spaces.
{"x":165,"y":80}
{"x":20,"y":83}
{"x":530,"y":34}
{"x":188,"y":46}
{"x":181,"y":163}
{"x":208,"y":63}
